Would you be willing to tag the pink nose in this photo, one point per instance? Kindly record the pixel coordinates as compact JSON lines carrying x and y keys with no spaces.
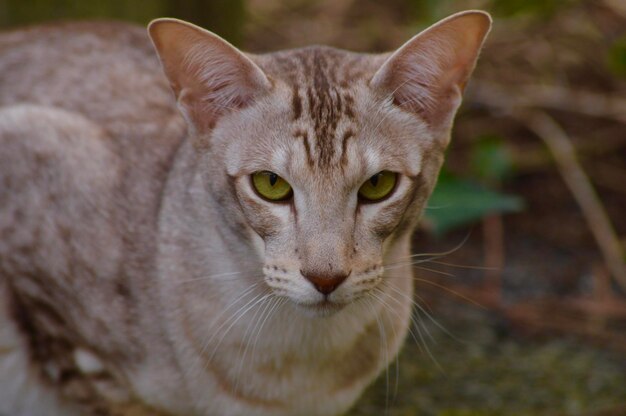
{"x":325,"y":283}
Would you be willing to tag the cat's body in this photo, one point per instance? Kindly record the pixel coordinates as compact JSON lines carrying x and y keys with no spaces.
{"x":82,"y":174}
{"x":133,"y":279}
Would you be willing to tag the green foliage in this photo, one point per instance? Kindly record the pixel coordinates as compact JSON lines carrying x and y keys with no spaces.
{"x":462,"y":201}
{"x":426,"y":11}
{"x":225,"y":17}
{"x":456,"y":202}
{"x":535,"y":8}
{"x":465,"y":412}
{"x":491,"y":160}
{"x":617,"y":57}
{"x":492,"y":373}
{"x":19,"y":12}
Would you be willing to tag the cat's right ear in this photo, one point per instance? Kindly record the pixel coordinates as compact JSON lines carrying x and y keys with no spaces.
{"x":209,"y":76}
{"x":428,"y":73}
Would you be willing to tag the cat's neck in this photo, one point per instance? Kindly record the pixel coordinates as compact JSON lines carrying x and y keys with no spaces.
{"x":216,"y":303}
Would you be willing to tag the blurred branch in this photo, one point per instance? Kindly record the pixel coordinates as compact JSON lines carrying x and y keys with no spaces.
{"x":564,"y":154}
{"x":535,"y":157}
{"x":549,"y":97}
{"x":618,"y":6}
{"x":494,"y":257}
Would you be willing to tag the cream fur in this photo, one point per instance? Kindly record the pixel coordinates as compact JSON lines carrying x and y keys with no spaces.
{"x":135,"y":249}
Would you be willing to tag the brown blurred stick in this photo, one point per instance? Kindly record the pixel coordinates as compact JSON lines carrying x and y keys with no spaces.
{"x":494,"y":257}
{"x":564,"y":154}
{"x":550,"y":97}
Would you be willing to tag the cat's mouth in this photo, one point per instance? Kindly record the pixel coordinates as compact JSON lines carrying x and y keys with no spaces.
{"x":324,"y":307}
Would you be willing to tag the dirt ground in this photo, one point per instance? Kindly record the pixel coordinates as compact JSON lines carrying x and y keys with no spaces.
{"x":483,"y":368}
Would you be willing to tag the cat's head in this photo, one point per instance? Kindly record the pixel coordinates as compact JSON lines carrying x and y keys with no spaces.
{"x":325,"y":157}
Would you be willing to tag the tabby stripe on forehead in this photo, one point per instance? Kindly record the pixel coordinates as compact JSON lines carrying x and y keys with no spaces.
{"x":311,"y":98}
{"x":349,"y":112}
{"x":296,"y":104}
{"x":307,"y":148}
{"x":339,"y":102}
{"x":344,"y":147}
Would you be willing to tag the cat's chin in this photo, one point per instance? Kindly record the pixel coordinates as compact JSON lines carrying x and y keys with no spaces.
{"x":320,"y":309}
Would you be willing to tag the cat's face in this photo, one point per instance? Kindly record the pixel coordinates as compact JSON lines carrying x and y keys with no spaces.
{"x":328,"y":147}
{"x":328,"y":155}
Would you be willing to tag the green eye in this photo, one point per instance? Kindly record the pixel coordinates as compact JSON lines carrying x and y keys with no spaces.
{"x":378,"y":186}
{"x":271,"y":186}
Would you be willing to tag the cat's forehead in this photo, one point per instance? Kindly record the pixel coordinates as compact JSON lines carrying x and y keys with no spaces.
{"x":324,"y":87}
{"x":320,"y":67}
{"x":323,"y":83}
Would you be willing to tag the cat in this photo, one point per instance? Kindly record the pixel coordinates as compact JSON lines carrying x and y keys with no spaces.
{"x":238,"y":247}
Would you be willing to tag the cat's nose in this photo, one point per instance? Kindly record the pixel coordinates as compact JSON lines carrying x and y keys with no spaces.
{"x":325,"y":283}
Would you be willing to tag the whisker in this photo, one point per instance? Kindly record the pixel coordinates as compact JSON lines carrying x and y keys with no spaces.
{"x":383,"y":346}
{"x":463,"y":266}
{"x":428,"y":351}
{"x":388,"y":308}
{"x":417,"y":309}
{"x":226,"y":309}
{"x":234,"y":318}
{"x":438,"y":206}
{"x":247,"y":337}
{"x":423,"y":341}
{"x":417,"y":258}
{"x":234,"y":302}
{"x":415,"y":320}
{"x":409,"y":262}
{"x":411,"y":317}
{"x":415,"y":266}
{"x":428,"y":269}
{"x":421,"y":308}
{"x":397,"y":384}
{"x":277,"y":302}
{"x":444,"y":253}
{"x":258,"y":299}
{"x":454,"y":292}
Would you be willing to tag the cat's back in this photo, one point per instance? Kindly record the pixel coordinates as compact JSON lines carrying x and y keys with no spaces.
{"x":81,"y":104}
{"x":88,"y":130}
{"x":106,"y":71}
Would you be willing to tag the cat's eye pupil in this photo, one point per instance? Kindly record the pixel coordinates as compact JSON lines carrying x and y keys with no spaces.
{"x":378,"y":187}
{"x":271,"y":186}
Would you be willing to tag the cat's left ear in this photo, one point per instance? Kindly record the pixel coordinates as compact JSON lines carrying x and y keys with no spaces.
{"x":427,"y":74}
{"x":209,"y":76}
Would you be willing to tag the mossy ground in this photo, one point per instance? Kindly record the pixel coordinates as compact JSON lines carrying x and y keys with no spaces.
{"x":488,"y":371}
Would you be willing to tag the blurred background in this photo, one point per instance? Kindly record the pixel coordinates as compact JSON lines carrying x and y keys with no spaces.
{"x":520,"y":266}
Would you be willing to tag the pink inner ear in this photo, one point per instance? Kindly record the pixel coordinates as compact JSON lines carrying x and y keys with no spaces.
{"x":425,"y":89}
{"x":225,"y":80}
{"x":427,"y":75}
{"x":415,"y":86}
{"x":209,"y":76}
{"x":214,"y":84}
